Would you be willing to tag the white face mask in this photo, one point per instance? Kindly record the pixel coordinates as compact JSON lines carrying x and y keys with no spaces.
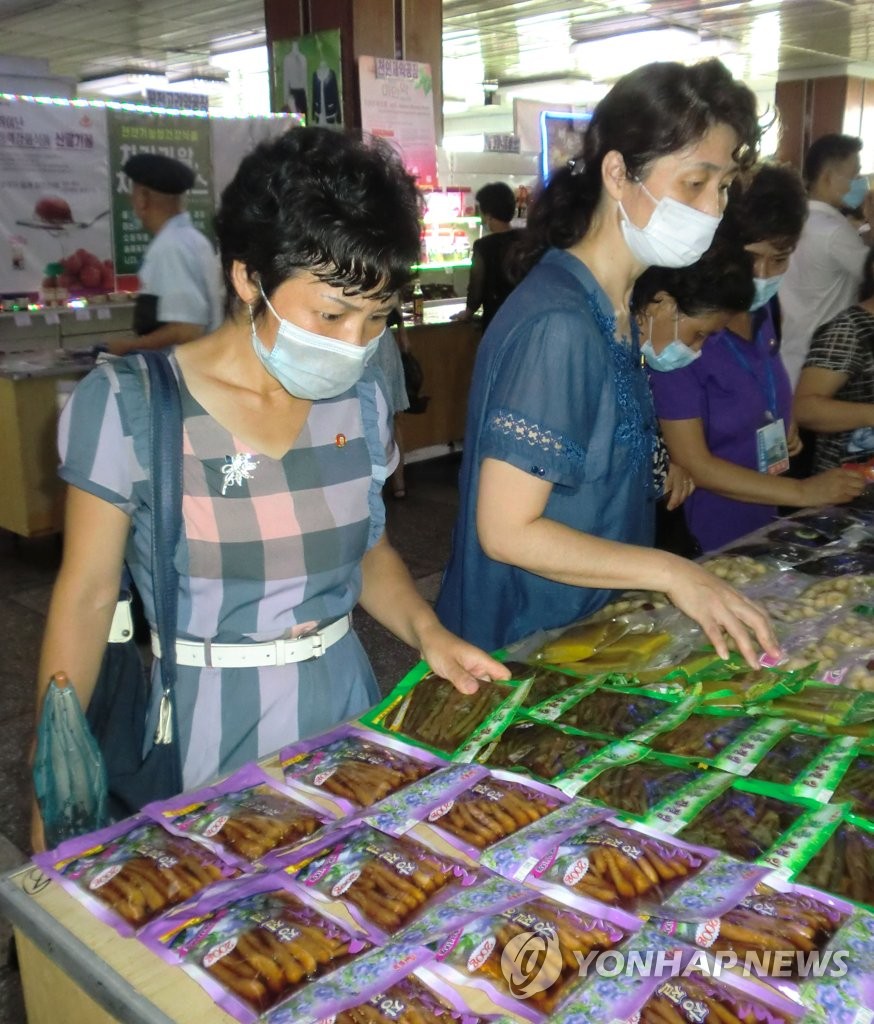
{"x":677,"y":235}
{"x":309,"y":365}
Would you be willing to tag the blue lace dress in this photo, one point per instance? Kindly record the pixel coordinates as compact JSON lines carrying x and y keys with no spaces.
{"x":555,"y":395}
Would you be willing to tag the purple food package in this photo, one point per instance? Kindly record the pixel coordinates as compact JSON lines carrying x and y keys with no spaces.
{"x":354,"y":767}
{"x":698,"y":984}
{"x":778,"y":930}
{"x":622,"y":864}
{"x":244,"y":818}
{"x":130,"y":872}
{"x":385,"y":882}
{"x":471,"y":807}
{"x":378,"y":980}
{"x":255,"y":944}
{"x":494,"y":953}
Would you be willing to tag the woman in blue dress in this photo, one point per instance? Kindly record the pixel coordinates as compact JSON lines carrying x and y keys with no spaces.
{"x":557,"y":498}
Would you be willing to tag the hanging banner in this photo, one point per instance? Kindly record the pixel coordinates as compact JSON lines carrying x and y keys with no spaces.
{"x":397,"y":104}
{"x":54,"y":199}
{"x":308,"y":77}
{"x":233,"y":139}
{"x":183,"y":138}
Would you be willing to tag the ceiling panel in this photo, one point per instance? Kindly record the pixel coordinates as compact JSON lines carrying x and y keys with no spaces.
{"x":496,"y":40}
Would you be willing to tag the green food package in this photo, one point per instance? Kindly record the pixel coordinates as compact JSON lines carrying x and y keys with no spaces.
{"x":631,"y":779}
{"x":825,"y":704}
{"x":758,"y":822}
{"x":842,"y":861}
{"x":538,"y":749}
{"x":721,"y":738}
{"x":609,"y":707}
{"x":432,"y":713}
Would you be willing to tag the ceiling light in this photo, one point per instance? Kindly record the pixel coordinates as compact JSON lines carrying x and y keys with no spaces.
{"x":195,"y":79}
{"x":609,"y":57}
{"x":124,"y":83}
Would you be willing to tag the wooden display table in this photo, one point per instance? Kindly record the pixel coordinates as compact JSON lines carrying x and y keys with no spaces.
{"x":447,"y":353}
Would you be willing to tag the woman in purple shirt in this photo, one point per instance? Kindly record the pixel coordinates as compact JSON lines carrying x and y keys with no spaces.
{"x":726,"y":416}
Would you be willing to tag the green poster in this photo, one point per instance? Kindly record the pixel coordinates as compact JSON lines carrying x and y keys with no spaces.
{"x":308,"y":79}
{"x":183,"y":138}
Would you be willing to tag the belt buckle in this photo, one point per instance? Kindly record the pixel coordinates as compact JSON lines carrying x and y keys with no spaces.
{"x":318,"y":645}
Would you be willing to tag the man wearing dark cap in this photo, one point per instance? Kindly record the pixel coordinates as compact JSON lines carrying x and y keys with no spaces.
{"x":180,"y":289}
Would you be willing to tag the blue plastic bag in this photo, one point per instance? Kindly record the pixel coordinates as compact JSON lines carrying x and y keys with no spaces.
{"x":69,"y":775}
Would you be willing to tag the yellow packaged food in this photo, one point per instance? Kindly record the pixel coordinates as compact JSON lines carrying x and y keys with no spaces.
{"x":580,"y":642}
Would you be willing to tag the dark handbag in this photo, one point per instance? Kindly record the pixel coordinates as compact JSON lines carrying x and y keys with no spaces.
{"x":414,"y":379}
{"x":119,"y":706}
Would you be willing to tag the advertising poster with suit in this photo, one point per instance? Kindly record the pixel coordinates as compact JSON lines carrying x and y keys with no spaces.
{"x":307,"y":78}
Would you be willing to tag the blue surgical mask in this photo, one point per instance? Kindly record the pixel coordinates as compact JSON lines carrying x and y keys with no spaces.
{"x":766,"y":289}
{"x":855,"y":194}
{"x":674,"y":356}
{"x":311,"y":366}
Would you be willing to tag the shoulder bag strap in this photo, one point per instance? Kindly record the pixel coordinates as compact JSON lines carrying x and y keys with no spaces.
{"x":165,"y":435}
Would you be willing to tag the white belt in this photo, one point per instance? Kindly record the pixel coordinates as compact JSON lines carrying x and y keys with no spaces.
{"x":204,"y":654}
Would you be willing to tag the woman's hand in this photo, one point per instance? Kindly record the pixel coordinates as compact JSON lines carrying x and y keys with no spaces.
{"x":833,"y":487}
{"x":458,"y":661}
{"x":793,"y":440}
{"x":678,"y":486}
{"x":720,"y":610}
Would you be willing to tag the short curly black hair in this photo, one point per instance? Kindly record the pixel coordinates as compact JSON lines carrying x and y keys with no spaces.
{"x":766,"y":204}
{"x":319,"y":200}
{"x":720,"y":282}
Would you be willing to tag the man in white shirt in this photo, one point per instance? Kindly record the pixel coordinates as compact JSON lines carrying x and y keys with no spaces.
{"x":180,"y":294}
{"x":826,"y":268}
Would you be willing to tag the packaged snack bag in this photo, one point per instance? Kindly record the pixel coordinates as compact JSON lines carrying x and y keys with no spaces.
{"x":800,"y":758}
{"x":528,"y":957}
{"x":618,"y":713}
{"x":385,"y":882}
{"x":469,"y":806}
{"x":775,"y":917}
{"x":253,"y":944}
{"x":354,"y":767}
{"x":625,"y":865}
{"x":842,"y":860}
{"x":823,"y":705}
{"x":548,"y":682}
{"x":694,"y":998}
{"x":728,"y":741}
{"x":538,"y":749}
{"x":628,"y":777}
{"x":244,"y":817}
{"x":430,"y":711}
{"x":128,"y":873}
{"x":754,"y":821}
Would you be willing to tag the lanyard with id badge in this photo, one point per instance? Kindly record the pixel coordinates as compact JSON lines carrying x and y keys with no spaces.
{"x":772,"y":451}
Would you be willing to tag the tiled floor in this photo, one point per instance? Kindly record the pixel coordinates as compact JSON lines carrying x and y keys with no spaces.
{"x":419,"y":526}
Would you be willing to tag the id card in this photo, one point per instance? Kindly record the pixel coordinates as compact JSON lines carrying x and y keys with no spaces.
{"x":772,"y":451}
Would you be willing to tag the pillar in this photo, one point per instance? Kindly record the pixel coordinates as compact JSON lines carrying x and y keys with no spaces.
{"x":812,"y":107}
{"x":405,"y":29}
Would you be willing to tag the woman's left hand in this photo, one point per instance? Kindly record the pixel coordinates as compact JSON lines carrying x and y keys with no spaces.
{"x":678,"y":486}
{"x":793,"y":440}
{"x":455,"y":659}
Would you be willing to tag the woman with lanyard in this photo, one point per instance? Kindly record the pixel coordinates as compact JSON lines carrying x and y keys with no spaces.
{"x":726,"y":416}
{"x":557,"y":506}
